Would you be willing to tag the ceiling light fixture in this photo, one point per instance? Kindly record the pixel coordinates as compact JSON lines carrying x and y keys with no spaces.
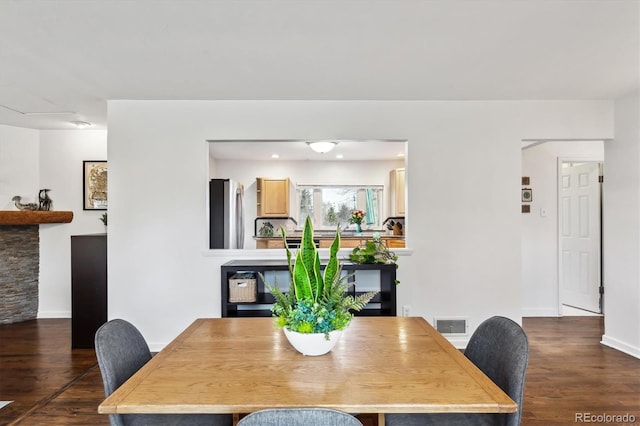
{"x":81,"y":124}
{"x":323,"y":146}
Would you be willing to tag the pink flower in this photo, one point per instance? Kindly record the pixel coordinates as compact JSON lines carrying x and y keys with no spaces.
{"x":357,"y":216}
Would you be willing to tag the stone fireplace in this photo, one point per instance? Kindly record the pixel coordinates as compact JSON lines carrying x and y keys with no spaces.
{"x":20,"y":261}
{"x":19,"y":270}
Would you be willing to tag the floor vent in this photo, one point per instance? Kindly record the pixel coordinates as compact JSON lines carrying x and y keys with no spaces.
{"x":457,"y":326}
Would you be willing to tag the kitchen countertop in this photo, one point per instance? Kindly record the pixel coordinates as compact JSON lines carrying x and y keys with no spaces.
{"x":330,"y":237}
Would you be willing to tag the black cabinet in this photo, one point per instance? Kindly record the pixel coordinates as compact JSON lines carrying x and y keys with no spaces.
{"x":384,"y":303}
{"x":88,"y":287}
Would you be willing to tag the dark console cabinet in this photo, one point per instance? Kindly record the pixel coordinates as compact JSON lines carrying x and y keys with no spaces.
{"x":384,"y":303}
{"x":88,"y":288}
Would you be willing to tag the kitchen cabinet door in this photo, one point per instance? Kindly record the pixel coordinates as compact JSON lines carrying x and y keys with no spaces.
{"x":396,"y":183}
{"x":273,"y":197}
{"x":394,"y":242}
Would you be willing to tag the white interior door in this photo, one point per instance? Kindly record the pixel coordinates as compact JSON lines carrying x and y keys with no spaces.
{"x":580,"y":236}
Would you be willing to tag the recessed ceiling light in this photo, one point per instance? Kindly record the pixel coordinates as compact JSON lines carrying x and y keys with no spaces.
{"x":81,"y":124}
{"x":400,"y":154}
{"x":339,"y":156}
{"x":275,"y":156}
{"x":322,"y":146}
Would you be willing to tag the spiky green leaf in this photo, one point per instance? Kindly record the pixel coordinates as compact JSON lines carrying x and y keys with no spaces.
{"x":308,"y":253}
{"x":317,"y":275}
{"x":301,"y":279}
{"x":283,"y":233}
{"x":332,"y":266}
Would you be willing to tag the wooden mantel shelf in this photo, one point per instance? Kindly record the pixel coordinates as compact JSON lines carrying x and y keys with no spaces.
{"x":24,"y":217}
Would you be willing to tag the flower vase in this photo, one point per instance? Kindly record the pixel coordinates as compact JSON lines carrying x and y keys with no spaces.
{"x":358,"y":229}
{"x":312,"y":344}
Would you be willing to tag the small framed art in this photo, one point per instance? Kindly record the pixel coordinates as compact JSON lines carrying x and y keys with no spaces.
{"x":94,"y":178}
{"x":527,"y":195}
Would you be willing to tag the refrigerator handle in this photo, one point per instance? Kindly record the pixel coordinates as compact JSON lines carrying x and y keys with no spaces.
{"x":240,"y":217}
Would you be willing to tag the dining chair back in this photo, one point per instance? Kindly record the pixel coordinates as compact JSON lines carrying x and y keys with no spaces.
{"x":500,"y":348}
{"x":121,"y":351}
{"x":299,"y":417}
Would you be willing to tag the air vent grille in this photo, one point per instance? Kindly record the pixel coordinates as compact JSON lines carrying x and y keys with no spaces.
{"x":451,"y":325}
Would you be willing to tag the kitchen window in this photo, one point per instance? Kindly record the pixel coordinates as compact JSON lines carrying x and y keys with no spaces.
{"x":331,"y":205}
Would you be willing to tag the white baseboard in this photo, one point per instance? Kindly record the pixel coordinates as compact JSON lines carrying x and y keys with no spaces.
{"x":458,"y":342}
{"x":621,"y":346}
{"x":539,"y":312}
{"x":54,"y":314}
{"x":157,"y":347}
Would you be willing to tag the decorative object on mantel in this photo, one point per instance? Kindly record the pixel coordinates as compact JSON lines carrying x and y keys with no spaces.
{"x":44,"y":200}
{"x":17,"y":200}
{"x":94,"y":189}
{"x":316,"y":304}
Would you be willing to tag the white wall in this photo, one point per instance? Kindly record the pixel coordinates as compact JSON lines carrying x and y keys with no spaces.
{"x":61,"y":155}
{"x":19,"y":165}
{"x":463,"y":177}
{"x":30,"y":160}
{"x":303,"y":173}
{"x":622,"y":230}
{"x":540,"y":234}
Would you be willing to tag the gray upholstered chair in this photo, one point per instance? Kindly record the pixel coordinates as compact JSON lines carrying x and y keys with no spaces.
{"x":299,"y":417}
{"x":499,"y":347}
{"x":121,"y":350}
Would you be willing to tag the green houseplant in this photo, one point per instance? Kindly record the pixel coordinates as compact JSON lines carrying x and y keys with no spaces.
{"x":316,"y":302}
{"x":373,"y":251}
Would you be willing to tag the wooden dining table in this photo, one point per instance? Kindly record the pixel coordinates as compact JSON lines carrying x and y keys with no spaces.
{"x":240,"y":365}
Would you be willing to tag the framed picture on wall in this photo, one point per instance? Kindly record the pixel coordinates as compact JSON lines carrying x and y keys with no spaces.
{"x":527,"y":195}
{"x":94,"y":188}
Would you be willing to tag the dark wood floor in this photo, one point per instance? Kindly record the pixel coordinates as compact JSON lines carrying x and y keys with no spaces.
{"x":569,"y":372}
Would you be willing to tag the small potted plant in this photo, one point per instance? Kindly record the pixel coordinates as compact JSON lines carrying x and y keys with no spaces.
{"x":373,"y":251}
{"x":104,"y":220}
{"x":316,"y":309}
{"x":266,"y":230}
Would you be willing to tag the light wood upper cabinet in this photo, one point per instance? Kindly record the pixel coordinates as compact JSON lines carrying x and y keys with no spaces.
{"x":396,"y":183}
{"x":273,"y":197}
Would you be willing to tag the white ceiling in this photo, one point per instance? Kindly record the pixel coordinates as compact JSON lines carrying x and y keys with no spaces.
{"x":61,"y":60}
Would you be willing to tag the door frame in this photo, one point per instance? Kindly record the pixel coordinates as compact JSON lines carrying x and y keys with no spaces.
{"x":575,"y":159}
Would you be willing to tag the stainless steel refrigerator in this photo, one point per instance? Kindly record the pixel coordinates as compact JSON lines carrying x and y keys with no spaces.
{"x":226,"y":214}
